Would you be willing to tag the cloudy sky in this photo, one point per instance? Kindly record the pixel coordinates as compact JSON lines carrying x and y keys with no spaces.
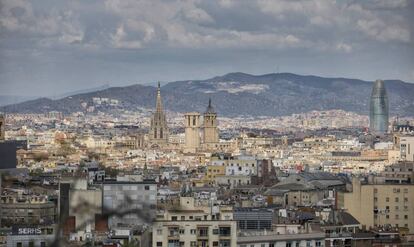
{"x":49,"y":47}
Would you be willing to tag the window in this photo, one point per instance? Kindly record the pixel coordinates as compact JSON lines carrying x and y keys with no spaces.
{"x":42,"y":244}
{"x":288,"y":244}
{"x":225,"y":231}
{"x":193,"y":231}
{"x":31,"y":244}
{"x":146,"y":187}
{"x":396,"y":199}
{"x":405,"y":199}
{"x":182,"y":231}
{"x":19,"y":244}
{"x":215,"y":243}
{"x":318,"y":244}
{"x":193,"y":243}
{"x":215,"y":231}
{"x":406,"y":217}
{"x":387,"y":216}
{"x":182,"y":217}
{"x":173,"y":218}
{"x":203,"y":231}
{"x":397,"y":216}
{"x":159,"y":244}
{"x":387,"y":199}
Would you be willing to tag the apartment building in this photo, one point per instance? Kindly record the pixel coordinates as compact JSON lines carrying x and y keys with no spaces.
{"x":375,"y":203}
{"x":189,"y":225}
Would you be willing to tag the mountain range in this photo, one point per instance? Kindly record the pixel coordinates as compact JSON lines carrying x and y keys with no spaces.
{"x":236,"y":94}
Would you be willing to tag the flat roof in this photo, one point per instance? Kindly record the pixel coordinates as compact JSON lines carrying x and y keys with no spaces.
{"x":280,"y":237}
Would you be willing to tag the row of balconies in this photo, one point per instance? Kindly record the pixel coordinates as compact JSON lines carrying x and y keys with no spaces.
{"x":202,"y":232}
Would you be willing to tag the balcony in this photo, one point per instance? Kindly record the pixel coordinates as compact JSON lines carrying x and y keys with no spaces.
{"x":173,"y":233}
{"x":202,"y":232}
{"x":225,"y":232}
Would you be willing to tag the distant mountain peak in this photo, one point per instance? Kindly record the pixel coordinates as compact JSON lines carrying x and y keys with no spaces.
{"x":238,"y":93}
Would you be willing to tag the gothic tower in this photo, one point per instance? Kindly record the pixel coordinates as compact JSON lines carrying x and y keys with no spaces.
{"x":192,"y":131}
{"x":210,"y":133}
{"x":159,"y":130}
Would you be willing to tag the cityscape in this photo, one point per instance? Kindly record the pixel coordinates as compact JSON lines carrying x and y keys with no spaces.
{"x":258,"y":158}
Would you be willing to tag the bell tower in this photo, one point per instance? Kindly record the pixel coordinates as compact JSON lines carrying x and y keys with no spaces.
{"x":210,"y":133}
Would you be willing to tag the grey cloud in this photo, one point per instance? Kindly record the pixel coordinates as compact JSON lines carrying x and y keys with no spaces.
{"x":134,"y":39}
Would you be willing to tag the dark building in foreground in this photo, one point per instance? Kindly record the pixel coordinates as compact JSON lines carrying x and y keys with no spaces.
{"x":8,"y":158}
{"x":378,"y":113}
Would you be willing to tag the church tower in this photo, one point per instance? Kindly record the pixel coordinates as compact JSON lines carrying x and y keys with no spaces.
{"x":159,"y":130}
{"x":210,"y":133}
{"x":192,"y":131}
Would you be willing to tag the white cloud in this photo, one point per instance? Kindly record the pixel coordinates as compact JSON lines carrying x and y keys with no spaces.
{"x":344,"y":47}
{"x":321,"y":25}
{"x":18,"y":16}
{"x":379,"y":30}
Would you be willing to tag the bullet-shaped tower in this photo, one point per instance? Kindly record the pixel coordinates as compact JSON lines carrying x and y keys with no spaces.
{"x":378,"y":115}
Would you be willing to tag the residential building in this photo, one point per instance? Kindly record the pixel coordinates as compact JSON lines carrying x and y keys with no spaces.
{"x":191,"y":225}
{"x":376,"y":203}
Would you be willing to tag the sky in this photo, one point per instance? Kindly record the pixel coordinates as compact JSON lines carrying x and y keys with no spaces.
{"x":50,"y":47}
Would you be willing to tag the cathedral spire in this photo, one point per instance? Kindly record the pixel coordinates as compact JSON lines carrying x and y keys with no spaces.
{"x":210,"y":108}
{"x":158,"y":130}
{"x":159,"y":102}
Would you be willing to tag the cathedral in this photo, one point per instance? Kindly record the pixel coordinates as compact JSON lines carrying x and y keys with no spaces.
{"x":158,"y":134}
{"x":199,"y":136}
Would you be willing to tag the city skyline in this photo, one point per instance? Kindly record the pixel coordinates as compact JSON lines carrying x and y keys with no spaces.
{"x":80,"y":45}
{"x":216,"y":123}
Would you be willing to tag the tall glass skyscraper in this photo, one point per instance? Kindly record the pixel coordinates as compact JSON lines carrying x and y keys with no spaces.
{"x":378,"y":115}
